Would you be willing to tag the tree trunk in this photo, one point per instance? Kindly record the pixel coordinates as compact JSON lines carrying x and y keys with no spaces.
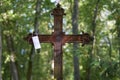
{"x":36,"y":25}
{"x":110,"y":47}
{"x":75,"y":45}
{"x":0,"y":53}
{"x":13,"y":66}
{"x":91,"y":50}
{"x":119,"y":43}
{"x":118,"y":33}
{"x":29,"y":71}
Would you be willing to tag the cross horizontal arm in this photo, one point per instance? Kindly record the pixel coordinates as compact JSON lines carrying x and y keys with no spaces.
{"x":83,"y":38}
{"x":42,"y":38}
{"x":72,"y":38}
{"x":45,"y":38}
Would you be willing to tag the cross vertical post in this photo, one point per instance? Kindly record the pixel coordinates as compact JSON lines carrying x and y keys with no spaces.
{"x":58,"y":13}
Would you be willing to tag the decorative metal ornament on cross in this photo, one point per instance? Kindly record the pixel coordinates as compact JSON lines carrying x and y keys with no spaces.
{"x":59,"y":38}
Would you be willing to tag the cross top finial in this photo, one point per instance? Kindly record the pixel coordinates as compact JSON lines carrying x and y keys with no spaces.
{"x":58,"y":5}
{"x":58,"y":10}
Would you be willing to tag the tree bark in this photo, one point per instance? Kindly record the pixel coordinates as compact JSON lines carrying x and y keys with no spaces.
{"x":36,"y":25}
{"x":13,"y":66}
{"x":0,"y":53}
{"x":75,"y":45}
{"x":91,"y":50}
{"x":119,"y":43}
{"x":110,"y":47}
{"x":29,"y":71}
{"x":118,"y":33}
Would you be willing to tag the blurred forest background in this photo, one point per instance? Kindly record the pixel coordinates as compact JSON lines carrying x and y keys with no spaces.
{"x":99,"y":60}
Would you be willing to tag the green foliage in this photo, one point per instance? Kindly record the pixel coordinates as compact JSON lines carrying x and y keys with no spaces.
{"x":17,"y":19}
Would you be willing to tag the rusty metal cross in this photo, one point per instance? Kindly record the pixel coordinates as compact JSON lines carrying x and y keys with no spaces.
{"x":58,"y":38}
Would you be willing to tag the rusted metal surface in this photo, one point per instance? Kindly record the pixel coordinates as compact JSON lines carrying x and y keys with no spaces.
{"x":83,"y":38}
{"x":58,"y":38}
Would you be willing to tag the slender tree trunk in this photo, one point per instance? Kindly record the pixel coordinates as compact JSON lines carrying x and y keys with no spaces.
{"x":75,"y":45}
{"x":110,"y":47}
{"x":119,"y":50}
{"x":37,"y":16}
{"x":29,"y":71}
{"x":91,"y":50}
{"x":0,"y":53}
{"x":119,"y":44}
{"x":118,"y":33}
{"x":36,"y":25}
{"x":13,"y":66}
